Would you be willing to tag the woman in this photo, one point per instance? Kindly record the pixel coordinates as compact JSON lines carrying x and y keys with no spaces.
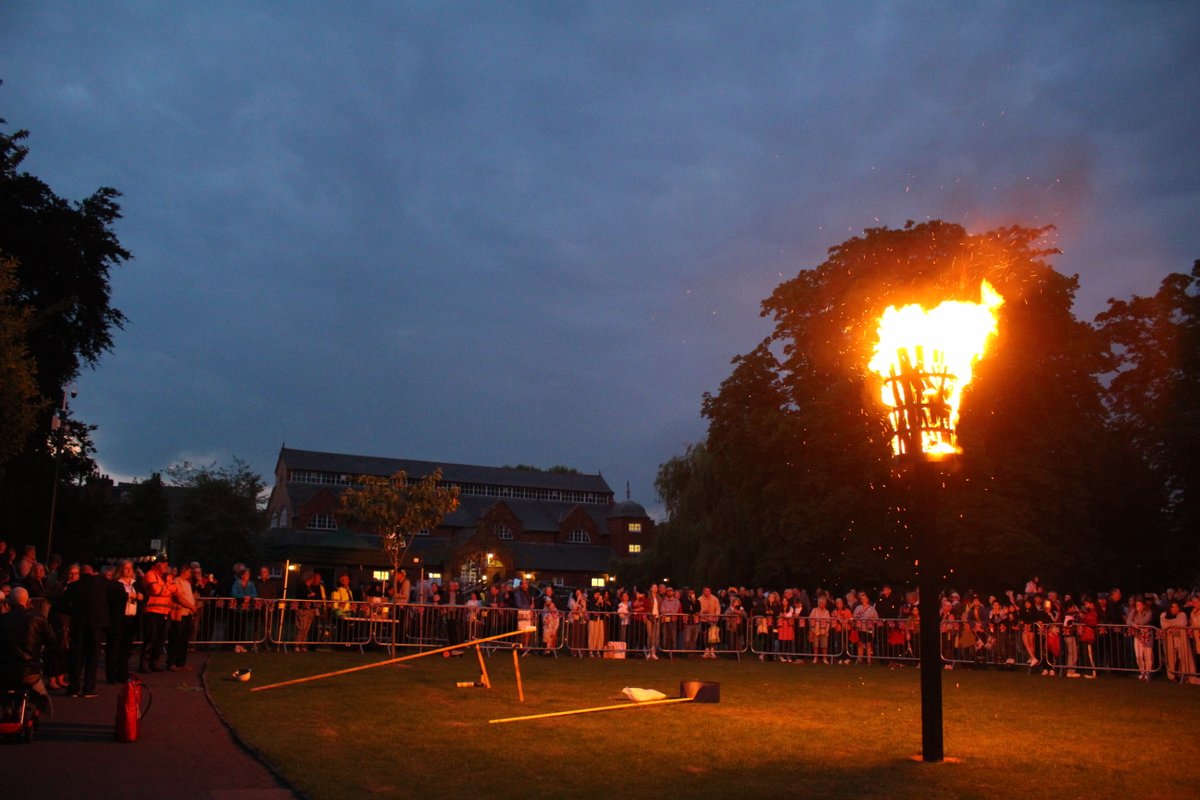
{"x":35,"y":581}
{"x":1028,"y":616}
{"x":551,"y":619}
{"x":843,"y":617}
{"x":595,"y":626}
{"x":124,"y":624}
{"x":1141,"y":621}
{"x":624,"y":608}
{"x":785,"y":630}
{"x":1181,"y":665}
{"x":577,"y":632}
{"x":772,"y":609}
{"x":1086,"y":630}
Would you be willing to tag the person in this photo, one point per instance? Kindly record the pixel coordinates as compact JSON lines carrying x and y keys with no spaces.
{"x":577,"y":623}
{"x":1141,"y":622}
{"x":123,"y":624}
{"x":24,"y":637}
{"x":244,"y":592}
{"x":522,"y":601}
{"x":1181,"y":665}
{"x":35,"y":582}
{"x":1029,"y":618}
{"x":710,"y":616}
{"x":595,"y":626}
{"x":58,"y":658}
{"x":25,"y":564}
{"x":551,"y":619}
{"x":267,"y":588}
{"x":651,"y":618}
{"x":401,"y":589}
{"x":160,"y":594}
{"x":87,"y":599}
{"x":453,"y":599}
{"x":865,"y":621}
{"x":624,"y":611}
{"x":818,"y":630}
{"x":670,"y":608}
{"x":311,"y":594}
{"x":182,"y":609}
{"x":689,"y":633}
{"x":841,"y":630}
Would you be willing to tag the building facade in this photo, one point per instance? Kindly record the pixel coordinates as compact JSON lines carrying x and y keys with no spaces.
{"x":552,"y":527}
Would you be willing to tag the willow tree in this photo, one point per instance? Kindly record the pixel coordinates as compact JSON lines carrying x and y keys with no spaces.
{"x":397,"y":508}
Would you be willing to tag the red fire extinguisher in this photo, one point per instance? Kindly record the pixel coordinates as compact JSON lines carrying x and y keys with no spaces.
{"x":129,"y":708}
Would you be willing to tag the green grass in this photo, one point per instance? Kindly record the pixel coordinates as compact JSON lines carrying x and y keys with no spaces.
{"x":780,"y":729}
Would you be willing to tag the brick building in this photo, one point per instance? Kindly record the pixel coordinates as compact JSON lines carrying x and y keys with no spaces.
{"x":554,"y":527}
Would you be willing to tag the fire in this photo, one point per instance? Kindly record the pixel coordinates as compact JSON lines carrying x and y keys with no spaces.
{"x":926,"y":359}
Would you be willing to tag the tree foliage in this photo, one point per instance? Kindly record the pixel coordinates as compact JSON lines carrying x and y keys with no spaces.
{"x":1154,"y":398}
{"x":218,"y":517}
{"x":794,"y":480}
{"x":19,"y":398}
{"x":142,"y":515}
{"x":396,"y":508}
{"x":59,"y":304}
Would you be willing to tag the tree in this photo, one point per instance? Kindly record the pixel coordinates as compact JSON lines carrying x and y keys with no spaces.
{"x":396,"y":508}
{"x":794,"y":480}
{"x":219,"y":517}
{"x":142,"y":515}
{"x":1154,"y":397}
{"x":19,"y":398}
{"x":63,"y":252}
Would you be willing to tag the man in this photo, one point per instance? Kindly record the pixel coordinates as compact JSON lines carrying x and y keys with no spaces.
{"x":268,"y":587}
{"x":160,"y":599}
{"x":689,"y":607}
{"x":23,"y":637}
{"x":87,"y":602}
{"x":865,"y":620}
{"x":25,"y":565}
{"x":653,"y":609}
{"x":452,"y":598}
{"x":710,"y":614}
{"x":311,"y":593}
{"x":671,"y":608}
{"x":523,"y":602}
{"x":403,"y":589}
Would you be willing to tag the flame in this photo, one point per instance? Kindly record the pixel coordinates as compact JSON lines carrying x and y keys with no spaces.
{"x":926,"y":359}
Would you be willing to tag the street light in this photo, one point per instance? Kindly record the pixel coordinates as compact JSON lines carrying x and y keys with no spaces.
{"x":925,"y":359}
{"x":58,"y":427}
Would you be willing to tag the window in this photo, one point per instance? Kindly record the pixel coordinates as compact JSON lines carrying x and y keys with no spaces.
{"x":433,"y":576}
{"x":503,"y":532}
{"x":558,"y":581}
{"x":635,"y":548}
{"x":598,"y":582}
{"x":381,"y":575}
{"x":423,"y":532}
{"x":635,"y":527}
{"x":579,"y":536}
{"x":322,"y":522}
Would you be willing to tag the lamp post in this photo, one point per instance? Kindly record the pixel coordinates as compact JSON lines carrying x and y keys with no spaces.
{"x":58,"y":428}
{"x":925,"y":358}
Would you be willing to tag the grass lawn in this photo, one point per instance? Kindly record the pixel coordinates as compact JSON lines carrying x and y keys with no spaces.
{"x":779,"y":730}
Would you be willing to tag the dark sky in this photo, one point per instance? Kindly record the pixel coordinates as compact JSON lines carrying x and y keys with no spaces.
{"x":503,"y":233}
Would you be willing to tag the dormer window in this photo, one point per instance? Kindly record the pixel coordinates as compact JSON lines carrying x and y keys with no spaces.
{"x":503,"y":532}
{"x":322,"y":522}
{"x":579,"y":536}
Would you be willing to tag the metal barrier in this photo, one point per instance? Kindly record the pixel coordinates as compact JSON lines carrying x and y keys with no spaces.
{"x":231,"y":621}
{"x":708,"y":635}
{"x":1180,"y":652}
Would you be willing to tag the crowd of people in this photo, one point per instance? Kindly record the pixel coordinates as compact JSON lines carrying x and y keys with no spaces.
{"x":55,"y":622}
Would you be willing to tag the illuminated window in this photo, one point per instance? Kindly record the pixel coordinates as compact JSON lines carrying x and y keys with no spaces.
{"x":558,"y":581}
{"x":423,"y":532}
{"x":381,"y":575}
{"x":579,"y":536}
{"x":322,"y":522}
{"x":635,"y":527}
{"x":503,"y":532}
{"x":635,"y":548}
{"x":598,"y":582}
{"x":434,"y":576}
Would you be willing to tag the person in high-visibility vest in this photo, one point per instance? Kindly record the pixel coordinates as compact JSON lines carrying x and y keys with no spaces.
{"x":160,"y":599}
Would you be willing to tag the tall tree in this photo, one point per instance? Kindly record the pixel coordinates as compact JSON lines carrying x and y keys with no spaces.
{"x":63,"y":252}
{"x":218,"y":519}
{"x":796,"y":468}
{"x":397,"y":508}
{"x":1154,"y":396}
{"x":20,"y":402}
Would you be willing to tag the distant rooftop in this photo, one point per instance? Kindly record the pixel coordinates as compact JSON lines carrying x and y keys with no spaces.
{"x":340,"y":469}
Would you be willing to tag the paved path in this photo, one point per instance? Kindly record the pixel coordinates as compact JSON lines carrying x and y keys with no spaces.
{"x":184,"y":750}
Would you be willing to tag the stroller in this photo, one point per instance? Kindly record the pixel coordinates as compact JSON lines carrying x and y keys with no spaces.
{"x":18,"y":717}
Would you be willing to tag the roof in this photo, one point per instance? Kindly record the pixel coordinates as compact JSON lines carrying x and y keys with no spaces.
{"x":627,"y":509}
{"x":456,"y":473}
{"x":532,"y":556}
